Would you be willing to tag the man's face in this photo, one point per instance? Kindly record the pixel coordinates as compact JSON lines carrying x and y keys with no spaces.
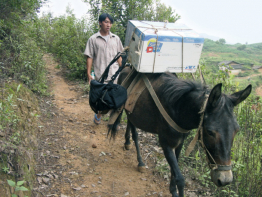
{"x":105,"y":25}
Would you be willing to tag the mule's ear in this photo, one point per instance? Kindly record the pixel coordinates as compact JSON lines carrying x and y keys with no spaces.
{"x":214,"y":95}
{"x":238,"y":97}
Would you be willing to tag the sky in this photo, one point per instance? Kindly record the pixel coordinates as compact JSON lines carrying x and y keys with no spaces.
{"x":237,"y":21}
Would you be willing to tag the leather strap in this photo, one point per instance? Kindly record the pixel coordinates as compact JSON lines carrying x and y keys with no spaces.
{"x":161,"y":108}
{"x":192,"y":145}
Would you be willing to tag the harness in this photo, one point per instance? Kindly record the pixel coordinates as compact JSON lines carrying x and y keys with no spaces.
{"x":199,"y":137}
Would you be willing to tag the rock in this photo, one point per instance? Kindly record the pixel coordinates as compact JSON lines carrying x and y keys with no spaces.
{"x":83,"y":186}
{"x":101,"y":154}
{"x":94,"y":146}
{"x":55,"y":176}
{"x":99,"y":182}
{"x":77,"y":189}
{"x":93,"y":192}
{"x":40,"y":180}
{"x":62,"y":195}
{"x":127,"y":194}
{"x":2,"y":134}
{"x":46,"y":180}
{"x":93,"y":185}
{"x":144,"y":179}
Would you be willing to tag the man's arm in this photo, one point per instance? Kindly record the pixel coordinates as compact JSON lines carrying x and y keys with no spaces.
{"x":119,"y":61}
{"x":89,"y":63}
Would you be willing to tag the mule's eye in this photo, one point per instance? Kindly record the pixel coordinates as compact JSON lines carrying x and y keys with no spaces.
{"x":211,"y":133}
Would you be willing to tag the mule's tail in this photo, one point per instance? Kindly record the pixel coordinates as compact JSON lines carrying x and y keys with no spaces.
{"x":113,"y":128}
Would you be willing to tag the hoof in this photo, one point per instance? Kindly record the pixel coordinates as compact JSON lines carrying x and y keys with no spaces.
{"x":127,"y":146}
{"x":141,"y":169}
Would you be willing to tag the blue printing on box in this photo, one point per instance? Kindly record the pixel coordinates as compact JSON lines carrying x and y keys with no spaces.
{"x":168,"y":38}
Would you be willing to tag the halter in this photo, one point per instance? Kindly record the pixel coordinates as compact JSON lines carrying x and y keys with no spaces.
{"x":199,"y":137}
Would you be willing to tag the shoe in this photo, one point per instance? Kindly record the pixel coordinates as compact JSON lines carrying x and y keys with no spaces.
{"x":117,"y":127}
{"x":97,"y":120}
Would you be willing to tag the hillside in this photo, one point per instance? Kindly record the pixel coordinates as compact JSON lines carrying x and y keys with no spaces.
{"x":215,"y":52}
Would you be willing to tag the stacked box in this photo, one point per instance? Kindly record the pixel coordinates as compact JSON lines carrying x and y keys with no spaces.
{"x":157,"y":47}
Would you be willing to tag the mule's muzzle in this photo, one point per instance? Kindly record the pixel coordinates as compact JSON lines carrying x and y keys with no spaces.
{"x":221,"y":178}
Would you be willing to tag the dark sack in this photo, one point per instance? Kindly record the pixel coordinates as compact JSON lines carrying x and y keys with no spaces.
{"x":106,"y":96}
{"x":103,"y":97}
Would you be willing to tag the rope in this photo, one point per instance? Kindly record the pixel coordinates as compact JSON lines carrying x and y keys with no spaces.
{"x":155,"y":51}
{"x":200,"y":129}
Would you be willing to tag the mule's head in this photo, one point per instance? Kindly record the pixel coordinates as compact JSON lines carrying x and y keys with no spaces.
{"x":219,"y":129}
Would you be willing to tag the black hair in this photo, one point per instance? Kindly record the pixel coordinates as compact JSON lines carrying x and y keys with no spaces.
{"x":103,"y":16}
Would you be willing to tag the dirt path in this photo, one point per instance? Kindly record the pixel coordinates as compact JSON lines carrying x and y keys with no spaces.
{"x":254,"y":75}
{"x":70,"y":166}
{"x":259,"y":91}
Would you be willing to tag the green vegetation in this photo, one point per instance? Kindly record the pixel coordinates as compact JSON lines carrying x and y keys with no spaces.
{"x":65,"y":37}
{"x":17,"y":186}
{"x":215,"y":52}
{"x":20,"y":56}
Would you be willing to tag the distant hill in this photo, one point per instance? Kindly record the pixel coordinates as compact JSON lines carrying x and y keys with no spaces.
{"x":215,"y":52}
{"x":204,"y":35}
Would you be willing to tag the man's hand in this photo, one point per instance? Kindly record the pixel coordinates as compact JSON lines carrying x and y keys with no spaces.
{"x":89,"y":77}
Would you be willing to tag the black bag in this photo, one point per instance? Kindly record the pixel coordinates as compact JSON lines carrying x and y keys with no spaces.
{"x":103,"y":97}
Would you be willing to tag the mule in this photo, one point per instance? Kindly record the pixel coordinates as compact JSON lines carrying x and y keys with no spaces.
{"x":183,"y":100}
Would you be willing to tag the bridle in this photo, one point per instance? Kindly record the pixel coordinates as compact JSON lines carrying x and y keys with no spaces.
{"x":199,"y":137}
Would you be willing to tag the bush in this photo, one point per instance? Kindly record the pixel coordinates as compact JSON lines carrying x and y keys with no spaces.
{"x":66,"y":37}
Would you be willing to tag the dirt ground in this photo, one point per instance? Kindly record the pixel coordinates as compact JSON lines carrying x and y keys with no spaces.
{"x":75,"y":157}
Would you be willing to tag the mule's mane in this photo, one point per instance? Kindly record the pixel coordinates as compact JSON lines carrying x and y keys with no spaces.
{"x":174,"y":88}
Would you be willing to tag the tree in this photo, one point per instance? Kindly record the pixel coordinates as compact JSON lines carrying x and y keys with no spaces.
{"x":124,"y":10}
{"x":222,"y":41}
{"x":242,"y":47}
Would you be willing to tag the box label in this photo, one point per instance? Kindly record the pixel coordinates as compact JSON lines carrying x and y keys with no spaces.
{"x":151,"y":46}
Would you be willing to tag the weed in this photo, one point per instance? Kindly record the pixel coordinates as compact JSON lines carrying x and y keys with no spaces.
{"x":17,"y":186}
{"x":5,"y":169}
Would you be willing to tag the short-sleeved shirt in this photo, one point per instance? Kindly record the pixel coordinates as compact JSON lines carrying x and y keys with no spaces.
{"x":103,"y":52}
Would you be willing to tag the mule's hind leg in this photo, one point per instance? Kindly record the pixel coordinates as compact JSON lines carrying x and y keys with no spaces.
{"x":127,"y":137}
{"x":141,"y":165}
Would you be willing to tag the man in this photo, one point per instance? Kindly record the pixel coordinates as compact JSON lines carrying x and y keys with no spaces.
{"x":101,"y":48}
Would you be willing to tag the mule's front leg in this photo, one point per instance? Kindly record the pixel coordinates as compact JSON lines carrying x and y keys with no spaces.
{"x":177,"y":178}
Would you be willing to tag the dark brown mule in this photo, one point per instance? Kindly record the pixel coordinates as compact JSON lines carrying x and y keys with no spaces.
{"x":183,"y":99}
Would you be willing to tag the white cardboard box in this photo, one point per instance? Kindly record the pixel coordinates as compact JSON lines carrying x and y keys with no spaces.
{"x":178,"y":47}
